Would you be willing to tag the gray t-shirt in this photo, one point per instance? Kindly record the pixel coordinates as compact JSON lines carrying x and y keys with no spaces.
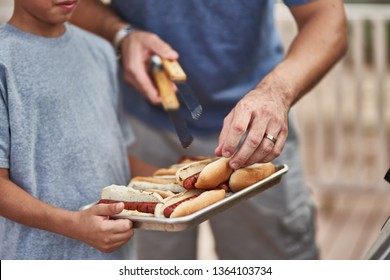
{"x":60,"y":135}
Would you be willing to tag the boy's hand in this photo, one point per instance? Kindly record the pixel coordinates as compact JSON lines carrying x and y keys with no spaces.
{"x":96,"y":229}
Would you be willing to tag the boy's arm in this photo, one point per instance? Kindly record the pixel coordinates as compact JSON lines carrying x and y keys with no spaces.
{"x":141,"y":168}
{"x":91,"y":226}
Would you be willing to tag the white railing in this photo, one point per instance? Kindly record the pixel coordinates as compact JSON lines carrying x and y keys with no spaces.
{"x":344,"y":122}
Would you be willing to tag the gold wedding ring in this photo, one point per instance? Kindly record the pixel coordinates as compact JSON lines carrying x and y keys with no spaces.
{"x":270,"y":137}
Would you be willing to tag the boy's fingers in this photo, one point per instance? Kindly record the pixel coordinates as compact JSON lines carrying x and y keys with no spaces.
{"x":109,"y":209}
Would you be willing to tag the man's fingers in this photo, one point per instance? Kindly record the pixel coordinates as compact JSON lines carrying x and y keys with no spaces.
{"x":278,"y":147}
{"x":224,"y":133}
{"x":137,"y":48}
{"x":236,"y":130}
{"x":161,"y":48}
{"x":250,"y":146}
{"x":146,"y":87}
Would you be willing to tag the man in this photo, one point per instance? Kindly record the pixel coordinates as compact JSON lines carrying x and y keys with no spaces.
{"x":232,"y":55}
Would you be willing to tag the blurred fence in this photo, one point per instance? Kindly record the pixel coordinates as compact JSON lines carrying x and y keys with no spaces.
{"x":344,"y":122}
{"x":5,"y":10}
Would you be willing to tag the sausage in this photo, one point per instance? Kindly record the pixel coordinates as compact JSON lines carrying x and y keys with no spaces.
{"x":145,"y":207}
{"x":189,"y":182}
{"x":168,"y":210}
{"x":224,"y":186}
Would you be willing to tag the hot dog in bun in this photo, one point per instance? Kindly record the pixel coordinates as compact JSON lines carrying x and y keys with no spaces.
{"x":204,"y":174}
{"x":246,"y":176}
{"x":170,"y":171}
{"x":145,"y":203}
{"x":136,"y":202}
{"x":188,"y":202}
{"x":164,"y":186}
{"x":217,"y":173}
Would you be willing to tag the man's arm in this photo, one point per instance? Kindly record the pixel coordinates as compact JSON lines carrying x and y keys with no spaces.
{"x":319,"y":44}
{"x":96,"y":17}
{"x":136,"y":48}
{"x":321,"y":41}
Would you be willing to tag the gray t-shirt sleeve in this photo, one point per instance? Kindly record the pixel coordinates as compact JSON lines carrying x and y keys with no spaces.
{"x":4,"y":129}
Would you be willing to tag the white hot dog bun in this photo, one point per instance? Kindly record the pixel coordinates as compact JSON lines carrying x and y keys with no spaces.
{"x":152,"y":183}
{"x":188,"y":202}
{"x":128,"y":194}
{"x":191,"y":168}
{"x":219,"y":174}
{"x":246,"y":176}
{"x":136,"y":202}
{"x":214,"y":174}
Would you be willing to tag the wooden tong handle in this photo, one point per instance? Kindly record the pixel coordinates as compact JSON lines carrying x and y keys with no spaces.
{"x":168,"y":95}
{"x":174,"y":70}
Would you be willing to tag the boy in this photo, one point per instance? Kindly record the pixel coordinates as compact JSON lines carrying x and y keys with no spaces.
{"x":60,"y":138}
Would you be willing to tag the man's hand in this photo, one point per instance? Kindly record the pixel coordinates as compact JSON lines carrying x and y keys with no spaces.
{"x":137,"y":48}
{"x":321,"y":41}
{"x":262,"y":111}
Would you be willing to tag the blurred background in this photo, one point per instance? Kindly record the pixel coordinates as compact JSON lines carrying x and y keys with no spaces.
{"x":344,"y":126}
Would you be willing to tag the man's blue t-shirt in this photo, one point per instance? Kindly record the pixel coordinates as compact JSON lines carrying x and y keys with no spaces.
{"x":226,"y":47}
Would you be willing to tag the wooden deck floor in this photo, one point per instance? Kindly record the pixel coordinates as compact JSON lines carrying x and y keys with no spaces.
{"x":348,"y":223}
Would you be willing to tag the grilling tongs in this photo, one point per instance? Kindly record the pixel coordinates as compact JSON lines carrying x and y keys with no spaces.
{"x":177,"y":75}
{"x":169,"y":101}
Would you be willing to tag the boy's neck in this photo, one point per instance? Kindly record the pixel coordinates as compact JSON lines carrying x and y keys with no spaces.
{"x":38,"y":28}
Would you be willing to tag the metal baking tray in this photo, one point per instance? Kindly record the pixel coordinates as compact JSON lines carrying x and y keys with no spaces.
{"x":182,"y":223}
